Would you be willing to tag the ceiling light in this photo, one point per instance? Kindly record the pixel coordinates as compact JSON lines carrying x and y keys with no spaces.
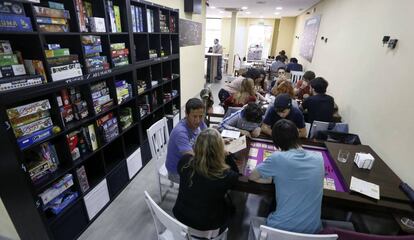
{"x":261,"y":16}
{"x":212,"y":7}
{"x":221,"y":12}
{"x":277,"y":13}
{"x":244,"y":8}
{"x":248,"y":12}
{"x":279,"y":8}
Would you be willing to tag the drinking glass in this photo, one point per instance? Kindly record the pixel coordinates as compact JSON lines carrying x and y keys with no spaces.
{"x":343,"y":155}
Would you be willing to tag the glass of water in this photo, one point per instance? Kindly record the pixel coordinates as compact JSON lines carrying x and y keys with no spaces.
{"x":343,"y":155}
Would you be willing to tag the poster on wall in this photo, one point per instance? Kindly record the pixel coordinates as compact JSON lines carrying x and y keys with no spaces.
{"x":190,"y":33}
{"x":310,"y":32}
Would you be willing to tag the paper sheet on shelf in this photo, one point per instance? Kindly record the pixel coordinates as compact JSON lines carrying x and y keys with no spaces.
{"x":230,"y":134}
{"x":236,"y":145}
{"x":369,"y":189}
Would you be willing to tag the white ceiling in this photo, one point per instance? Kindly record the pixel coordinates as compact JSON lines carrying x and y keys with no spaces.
{"x":259,"y":8}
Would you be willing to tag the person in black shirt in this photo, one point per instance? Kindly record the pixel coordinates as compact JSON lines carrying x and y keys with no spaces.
{"x":205,"y":179}
{"x":320,"y":106}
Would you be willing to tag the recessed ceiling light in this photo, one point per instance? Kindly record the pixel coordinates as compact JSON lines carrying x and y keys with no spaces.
{"x":221,"y":12}
{"x":212,"y":7}
{"x":261,"y":16}
{"x":244,"y":8}
{"x":279,"y":8}
{"x":248,"y":12}
{"x":277,"y":13}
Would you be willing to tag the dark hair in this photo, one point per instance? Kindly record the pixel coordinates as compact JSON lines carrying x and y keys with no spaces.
{"x":192,"y":104}
{"x":282,"y":52}
{"x":244,"y":59}
{"x":280,"y":109}
{"x":252,"y":73}
{"x":285,"y":135}
{"x":278,"y":58}
{"x":319,"y":84}
{"x":294,"y":60}
{"x":253,"y":113}
{"x":281,"y":68}
{"x":309,"y":75}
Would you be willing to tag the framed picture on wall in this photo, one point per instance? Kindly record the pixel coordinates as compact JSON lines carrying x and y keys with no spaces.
{"x":308,"y":39}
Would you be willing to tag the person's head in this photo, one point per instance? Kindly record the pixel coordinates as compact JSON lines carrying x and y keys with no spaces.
{"x":294,"y":60}
{"x":246,"y":90}
{"x":282,"y":105}
{"x":252,"y":73}
{"x":285,"y":135}
{"x":216,"y":41}
{"x":194,"y":112}
{"x":281,"y":71}
{"x":319,"y":85}
{"x":253,"y":113}
{"x":308,"y":76}
{"x":285,"y":87}
{"x":278,"y":58}
{"x":282,"y":52}
{"x":209,"y":154}
{"x":244,"y":59}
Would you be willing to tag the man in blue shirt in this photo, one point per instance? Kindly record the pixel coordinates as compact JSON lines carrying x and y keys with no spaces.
{"x":298,"y":177}
{"x":283,"y":109}
{"x":183,"y":136}
{"x":294,"y":65}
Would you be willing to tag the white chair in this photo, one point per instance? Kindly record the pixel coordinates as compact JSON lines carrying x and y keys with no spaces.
{"x":268,"y":233}
{"x":296,"y":76}
{"x":169,"y":228}
{"x":158,"y":137}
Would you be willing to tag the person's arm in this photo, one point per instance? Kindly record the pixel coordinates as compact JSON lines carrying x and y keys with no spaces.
{"x":255,"y":132}
{"x":266,"y":129}
{"x":260,"y":96}
{"x":256,"y":177}
{"x":183,"y":143}
{"x":302,"y":132}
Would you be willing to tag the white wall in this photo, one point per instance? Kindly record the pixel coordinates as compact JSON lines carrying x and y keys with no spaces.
{"x":371,"y":83}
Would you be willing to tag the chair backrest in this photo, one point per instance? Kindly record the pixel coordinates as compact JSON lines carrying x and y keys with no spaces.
{"x":164,"y":222}
{"x":296,"y":76}
{"x":158,"y":137}
{"x":268,"y":233}
{"x":351,"y":235}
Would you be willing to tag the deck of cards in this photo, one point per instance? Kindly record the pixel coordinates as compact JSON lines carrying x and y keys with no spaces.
{"x":364,"y":160}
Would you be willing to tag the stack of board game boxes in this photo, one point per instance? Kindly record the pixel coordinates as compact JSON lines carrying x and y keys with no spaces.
{"x":150,"y":20}
{"x":82,"y":141}
{"x":137,"y":19}
{"x":123,"y":91}
{"x":59,"y":195}
{"x":119,"y":54}
{"x":72,"y":106}
{"x":163,"y":23}
{"x":13,"y":17}
{"x":114,"y":16}
{"x":101,"y":97}
{"x":13,"y":72}
{"x":108,"y":127}
{"x":125,"y":118}
{"x":41,"y":161}
{"x":62,"y":64}
{"x":92,"y":48}
{"x":31,"y":122}
{"x":86,"y":19}
{"x":53,"y":18}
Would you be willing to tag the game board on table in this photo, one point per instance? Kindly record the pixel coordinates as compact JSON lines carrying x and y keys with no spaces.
{"x":259,"y":151}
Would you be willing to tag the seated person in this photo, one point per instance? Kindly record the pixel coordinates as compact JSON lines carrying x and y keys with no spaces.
{"x":282,"y":108}
{"x":205,"y":179}
{"x":276,"y":65}
{"x":260,"y":83}
{"x":302,"y":88}
{"x":235,"y":85}
{"x":298,"y":177}
{"x":246,"y":120}
{"x":294,"y":65}
{"x":281,"y":76}
{"x":246,"y":94}
{"x":319,"y":106}
{"x":183,"y":136}
{"x":285,"y":87}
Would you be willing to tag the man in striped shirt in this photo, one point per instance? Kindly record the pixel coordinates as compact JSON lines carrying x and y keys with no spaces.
{"x":246,"y":120}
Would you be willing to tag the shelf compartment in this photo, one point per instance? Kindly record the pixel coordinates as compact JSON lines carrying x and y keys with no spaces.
{"x":141,"y":47}
{"x":113,"y":154}
{"x":94,"y":169}
{"x":155,"y":45}
{"x":131,"y":140}
{"x":117,"y":179}
{"x":117,"y":56}
{"x":71,"y":223}
{"x":175,"y":44}
{"x":124,"y":90}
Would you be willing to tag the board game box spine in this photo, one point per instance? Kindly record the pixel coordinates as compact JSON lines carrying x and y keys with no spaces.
{"x":49,"y":20}
{"x":53,"y":28}
{"x":32,"y":127}
{"x":66,"y":71}
{"x":28,"y":109}
{"x":117,"y":18}
{"x":50,"y":12}
{"x":90,"y":49}
{"x":11,"y":7}
{"x":134,"y":22}
{"x":57,"y":52}
{"x":35,"y":137}
{"x":15,"y":23}
{"x":63,"y":60}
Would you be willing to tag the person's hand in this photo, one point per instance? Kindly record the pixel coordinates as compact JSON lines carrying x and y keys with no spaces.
{"x":256,"y":132}
{"x":227,"y":140}
{"x":246,"y":133}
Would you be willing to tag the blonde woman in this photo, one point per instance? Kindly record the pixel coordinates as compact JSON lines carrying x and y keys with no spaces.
{"x":246,"y":94}
{"x":205,"y":179}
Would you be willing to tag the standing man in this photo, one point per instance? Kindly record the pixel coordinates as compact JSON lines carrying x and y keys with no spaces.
{"x":217,"y":48}
{"x":183,"y":136}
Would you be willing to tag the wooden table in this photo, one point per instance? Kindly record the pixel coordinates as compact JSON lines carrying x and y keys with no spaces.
{"x":392,"y":199}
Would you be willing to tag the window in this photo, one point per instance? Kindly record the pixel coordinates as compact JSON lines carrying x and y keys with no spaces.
{"x":213,"y":31}
{"x":259,"y":41}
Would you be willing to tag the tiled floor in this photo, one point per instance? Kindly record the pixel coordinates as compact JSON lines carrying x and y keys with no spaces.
{"x":129,"y":218}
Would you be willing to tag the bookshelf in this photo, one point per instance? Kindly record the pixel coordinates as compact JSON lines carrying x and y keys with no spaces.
{"x":79,"y":136}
